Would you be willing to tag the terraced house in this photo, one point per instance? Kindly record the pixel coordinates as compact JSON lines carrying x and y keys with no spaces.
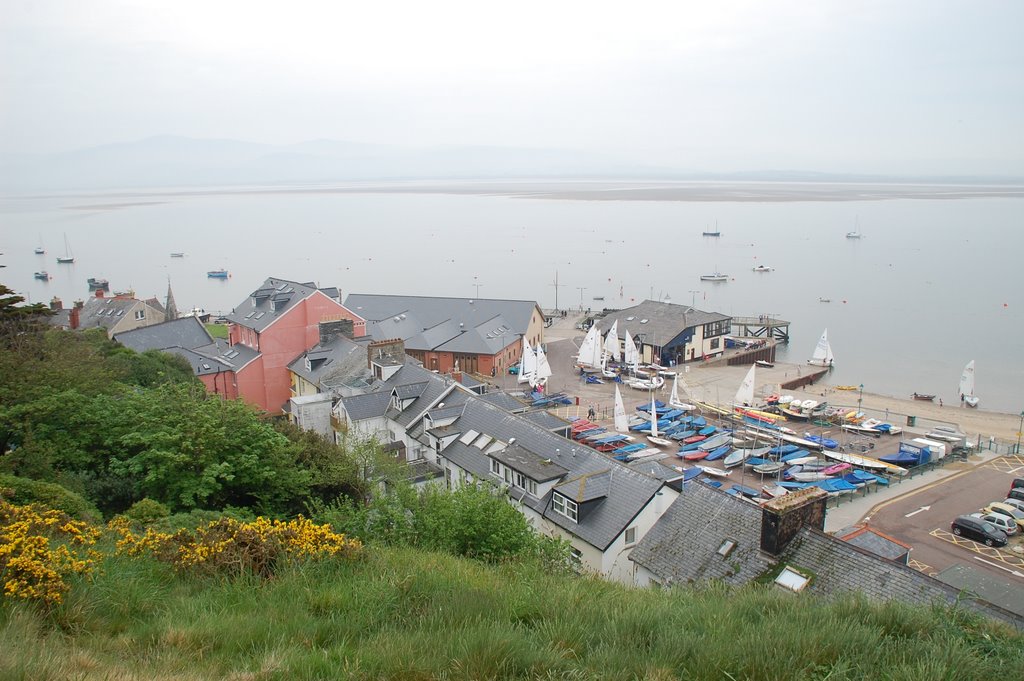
{"x":602,"y":507}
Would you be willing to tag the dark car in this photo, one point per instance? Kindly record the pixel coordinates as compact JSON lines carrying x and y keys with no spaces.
{"x":1016,"y":493}
{"x":978,"y":530}
{"x":1017,"y":484}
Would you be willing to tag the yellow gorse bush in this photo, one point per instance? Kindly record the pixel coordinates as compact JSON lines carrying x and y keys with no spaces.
{"x":39,"y":549}
{"x":228,"y":546}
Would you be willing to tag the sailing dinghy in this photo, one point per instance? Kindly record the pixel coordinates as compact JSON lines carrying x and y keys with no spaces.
{"x":967,"y":386}
{"x":822,"y":356}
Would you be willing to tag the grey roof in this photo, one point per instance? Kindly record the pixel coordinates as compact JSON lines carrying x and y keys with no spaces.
{"x":406,"y":390}
{"x":431,"y":311}
{"x":105,"y":312}
{"x":665,"y":321}
{"x":504,"y":401}
{"x":340,"y":361}
{"x":529,"y":464}
{"x":628,"y":491}
{"x":486,"y":338}
{"x":547,"y":420}
{"x":258,"y":311}
{"x":202,"y":365}
{"x":873,"y":541}
{"x":1008,"y":596}
{"x":587,"y":487}
{"x":683,"y":545}
{"x":408,"y":380}
{"x":660,"y":469}
{"x":184,"y":332}
{"x":370,"y":405}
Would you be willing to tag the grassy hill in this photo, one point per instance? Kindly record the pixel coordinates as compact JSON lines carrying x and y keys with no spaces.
{"x":409,"y":614}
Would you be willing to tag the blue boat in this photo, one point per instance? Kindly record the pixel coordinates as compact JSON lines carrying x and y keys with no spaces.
{"x":691,"y":473}
{"x":628,"y":449}
{"x":793,"y":485}
{"x":659,"y":406}
{"x":783,"y":450}
{"x":683,"y":434}
{"x":706,"y":431}
{"x":798,"y":454}
{"x":718,"y":453}
{"x":745,"y":491}
{"x":757,"y":461}
{"x":691,"y":447}
{"x":711,"y":483}
{"x":217,"y":274}
{"x":836,"y":485}
{"x":699,"y":422}
{"x":825,"y":442}
{"x":908,"y":455}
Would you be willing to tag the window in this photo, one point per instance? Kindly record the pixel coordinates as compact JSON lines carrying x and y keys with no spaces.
{"x":576,"y":558}
{"x":495,"y":467}
{"x":531,"y":487}
{"x":630,"y":536}
{"x":565,"y":506}
{"x":714,"y":343}
{"x":140,"y":314}
{"x":520,"y":480}
{"x":508,"y":475}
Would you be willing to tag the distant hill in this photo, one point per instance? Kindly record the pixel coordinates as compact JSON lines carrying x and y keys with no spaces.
{"x":171,"y":161}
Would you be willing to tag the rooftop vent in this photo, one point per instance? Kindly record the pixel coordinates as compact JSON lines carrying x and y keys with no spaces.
{"x":643,"y":321}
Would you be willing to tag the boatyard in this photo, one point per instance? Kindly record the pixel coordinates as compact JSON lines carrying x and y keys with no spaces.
{"x":906,"y":466}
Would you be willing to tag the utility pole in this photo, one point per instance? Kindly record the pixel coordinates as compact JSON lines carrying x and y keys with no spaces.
{"x":557,"y":286}
{"x":477,"y":287}
{"x":582,"y":289}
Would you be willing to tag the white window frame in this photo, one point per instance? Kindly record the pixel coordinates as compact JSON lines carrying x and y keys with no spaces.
{"x":564,"y":506}
{"x":140,"y":315}
{"x":495,"y":467}
{"x":531,"y":487}
{"x":630,"y":536}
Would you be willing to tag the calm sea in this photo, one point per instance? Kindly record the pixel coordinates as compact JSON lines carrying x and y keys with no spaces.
{"x":931,"y":285}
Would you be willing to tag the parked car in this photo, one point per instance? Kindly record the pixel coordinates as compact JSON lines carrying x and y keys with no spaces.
{"x":514,"y":369}
{"x":1009,"y":512}
{"x":1018,"y":483}
{"x":1016,"y":493}
{"x":978,"y":530}
{"x":1004,"y":523}
{"x":1016,"y":503}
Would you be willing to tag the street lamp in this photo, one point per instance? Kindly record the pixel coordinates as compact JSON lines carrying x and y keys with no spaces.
{"x":1020,"y":428}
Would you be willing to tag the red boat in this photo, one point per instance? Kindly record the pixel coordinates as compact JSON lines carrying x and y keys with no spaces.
{"x":694,"y":438}
{"x":695,"y":455}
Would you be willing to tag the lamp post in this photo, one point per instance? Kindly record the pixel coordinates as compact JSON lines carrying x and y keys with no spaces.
{"x":860,"y":398}
{"x":582,"y":289}
{"x":1019,"y":429}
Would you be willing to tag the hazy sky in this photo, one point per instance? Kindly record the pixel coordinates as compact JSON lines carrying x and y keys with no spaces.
{"x":927,"y":86}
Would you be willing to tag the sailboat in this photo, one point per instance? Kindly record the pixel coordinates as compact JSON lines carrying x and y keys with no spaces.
{"x":68,"y":256}
{"x":967,"y":386}
{"x":611,"y":350}
{"x":542,"y":372}
{"x":632,"y":353}
{"x":39,"y":249}
{"x":745,"y":394}
{"x":528,"y":364}
{"x":822,"y":356}
{"x":621,"y":422}
{"x":589,"y":348}
{"x":673,"y":401}
{"x":855,"y":234}
{"x":653,"y":437}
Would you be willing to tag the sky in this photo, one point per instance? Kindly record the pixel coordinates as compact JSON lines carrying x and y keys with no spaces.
{"x":912,"y":87}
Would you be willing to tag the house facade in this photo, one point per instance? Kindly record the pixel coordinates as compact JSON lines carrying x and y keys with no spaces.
{"x":476,"y":335}
{"x":278,"y":321}
{"x":668,"y":334}
{"x":118,"y":313}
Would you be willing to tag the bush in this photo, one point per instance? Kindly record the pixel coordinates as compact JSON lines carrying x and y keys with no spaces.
{"x":49,"y":495}
{"x":147,"y":511}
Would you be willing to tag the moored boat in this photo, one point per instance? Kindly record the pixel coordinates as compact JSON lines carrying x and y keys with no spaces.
{"x":217,"y":274}
{"x":763,"y":268}
{"x":96,"y":284}
{"x":177,"y":255}
{"x":923,"y":396}
{"x":44,"y":275}
{"x":714,"y":276}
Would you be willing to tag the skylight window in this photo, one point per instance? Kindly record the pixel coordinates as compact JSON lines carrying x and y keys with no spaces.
{"x":643,"y":321}
{"x":629,"y":319}
{"x":726,"y":548}
{"x":792,"y":580}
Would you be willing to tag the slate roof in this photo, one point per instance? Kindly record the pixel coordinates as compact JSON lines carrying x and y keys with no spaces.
{"x":368,"y":406}
{"x":105,"y":312}
{"x":340,"y":361}
{"x":202,"y":365}
{"x":529,"y":464}
{"x":504,"y":401}
{"x":665,"y":321}
{"x":655,"y":468}
{"x":431,"y":311}
{"x":587,"y":487}
{"x":547,"y":420}
{"x":257,"y":310}
{"x":628,"y":491}
{"x":184,"y":332}
{"x":874,"y":541}
{"x":682,"y":546}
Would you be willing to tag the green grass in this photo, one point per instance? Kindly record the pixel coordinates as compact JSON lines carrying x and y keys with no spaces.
{"x":217,"y":330}
{"x":407,"y":614}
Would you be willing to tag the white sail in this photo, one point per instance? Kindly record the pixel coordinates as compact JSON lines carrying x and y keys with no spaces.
{"x":632,"y":353}
{"x":597,"y":352}
{"x":611,"y":342}
{"x":745,"y":394}
{"x":674,"y":398}
{"x":654,"y":418}
{"x":822,"y":356}
{"x":621,"y":423}
{"x":967,"y":385}
{"x":543,"y":371}
{"x":587,"y":347}
{"x":528,"y":364}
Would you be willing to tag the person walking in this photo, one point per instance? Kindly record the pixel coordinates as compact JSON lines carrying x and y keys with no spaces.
{"x":590,"y":413}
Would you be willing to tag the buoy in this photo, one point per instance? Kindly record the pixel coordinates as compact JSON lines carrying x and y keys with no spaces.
{"x":844,"y":302}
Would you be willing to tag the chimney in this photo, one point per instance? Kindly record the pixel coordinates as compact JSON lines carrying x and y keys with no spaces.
{"x":56,"y":304}
{"x":75,"y":315}
{"x":390,"y":350}
{"x":332,"y":327}
{"x":99,"y":293}
{"x":782,"y":517}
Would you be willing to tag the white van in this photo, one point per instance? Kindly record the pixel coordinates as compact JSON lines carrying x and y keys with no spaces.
{"x":938,"y":449}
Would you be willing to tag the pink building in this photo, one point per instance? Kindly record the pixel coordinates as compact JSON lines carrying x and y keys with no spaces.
{"x":280,"y":321}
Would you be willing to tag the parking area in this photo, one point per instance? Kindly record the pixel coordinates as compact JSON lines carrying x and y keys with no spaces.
{"x":922,"y":519}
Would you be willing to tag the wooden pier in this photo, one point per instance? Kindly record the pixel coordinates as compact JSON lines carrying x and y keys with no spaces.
{"x":763,"y":327}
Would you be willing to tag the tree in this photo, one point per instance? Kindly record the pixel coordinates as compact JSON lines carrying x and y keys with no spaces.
{"x":473,"y":521}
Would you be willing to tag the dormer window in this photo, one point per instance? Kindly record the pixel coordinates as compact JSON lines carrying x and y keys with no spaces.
{"x":565,"y":506}
{"x":140,"y":315}
{"x":309,"y":365}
